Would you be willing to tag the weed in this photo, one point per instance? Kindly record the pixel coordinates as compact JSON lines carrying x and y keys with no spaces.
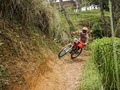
{"x":102,"y":54}
{"x":91,"y":77}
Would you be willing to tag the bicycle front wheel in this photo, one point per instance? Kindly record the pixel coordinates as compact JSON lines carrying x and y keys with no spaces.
{"x":65,"y":50}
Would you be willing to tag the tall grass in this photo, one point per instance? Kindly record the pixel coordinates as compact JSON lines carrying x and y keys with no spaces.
{"x":102,"y":54}
{"x":91,"y":77}
{"x":35,"y":12}
{"x":16,"y":9}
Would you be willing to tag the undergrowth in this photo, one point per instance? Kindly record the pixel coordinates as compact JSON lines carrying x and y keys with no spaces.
{"x":91,"y":79}
{"x":102,"y":54}
{"x":87,"y":18}
{"x":27,"y":28}
{"x":22,"y":49}
{"x":33,"y":12}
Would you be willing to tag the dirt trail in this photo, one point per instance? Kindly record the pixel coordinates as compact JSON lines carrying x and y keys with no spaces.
{"x":64,"y":74}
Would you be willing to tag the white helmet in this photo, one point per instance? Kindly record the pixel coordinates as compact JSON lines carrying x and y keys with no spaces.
{"x":85,"y":28}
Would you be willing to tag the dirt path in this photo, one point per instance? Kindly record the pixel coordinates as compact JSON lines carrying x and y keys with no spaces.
{"x":64,"y":74}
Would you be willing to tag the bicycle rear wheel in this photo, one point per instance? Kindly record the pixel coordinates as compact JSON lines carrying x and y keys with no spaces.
{"x":76,"y":53}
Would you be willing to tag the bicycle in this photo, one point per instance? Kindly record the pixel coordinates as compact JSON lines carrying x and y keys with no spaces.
{"x":74,"y":48}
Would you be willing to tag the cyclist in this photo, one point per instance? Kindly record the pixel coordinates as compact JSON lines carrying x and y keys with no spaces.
{"x":83,"y":36}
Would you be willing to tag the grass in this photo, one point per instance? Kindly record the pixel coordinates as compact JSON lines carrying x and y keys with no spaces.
{"x":42,"y":40}
{"x":21,"y":38}
{"x":4,"y":72}
{"x":27,"y":46}
{"x":84,"y":18}
{"x":79,"y":19}
{"x":102,"y":54}
{"x":32,"y":12}
{"x":91,"y":77}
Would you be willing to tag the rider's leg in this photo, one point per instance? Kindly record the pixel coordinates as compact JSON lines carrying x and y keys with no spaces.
{"x":74,"y":45}
{"x":81,"y":44}
{"x":76,"y":40}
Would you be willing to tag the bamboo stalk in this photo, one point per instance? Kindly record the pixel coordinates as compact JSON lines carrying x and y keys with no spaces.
{"x":113,"y":44}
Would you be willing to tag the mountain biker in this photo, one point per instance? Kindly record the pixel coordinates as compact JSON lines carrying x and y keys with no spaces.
{"x":75,"y":48}
{"x":83,"y":36}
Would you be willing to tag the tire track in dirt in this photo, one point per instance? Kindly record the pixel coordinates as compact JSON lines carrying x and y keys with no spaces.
{"x":65,"y":74}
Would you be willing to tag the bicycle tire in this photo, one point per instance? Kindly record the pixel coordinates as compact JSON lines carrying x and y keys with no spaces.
{"x":65,"y":50}
{"x":79,"y":52}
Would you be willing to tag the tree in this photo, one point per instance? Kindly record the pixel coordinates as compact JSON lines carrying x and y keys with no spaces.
{"x":77,"y":4}
{"x":66,"y":16}
{"x":52,"y":2}
{"x":115,"y":10}
{"x":102,"y":16}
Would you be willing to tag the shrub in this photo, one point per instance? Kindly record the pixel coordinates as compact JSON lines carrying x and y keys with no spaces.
{"x":102,"y":54}
{"x":19,"y":9}
{"x":35,"y":12}
{"x":97,"y":30}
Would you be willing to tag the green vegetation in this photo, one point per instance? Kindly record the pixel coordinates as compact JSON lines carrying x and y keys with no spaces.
{"x":24,"y":45}
{"x":91,"y":19}
{"x":4,"y":72}
{"x":91,"y":77}
{"x":86,"y":18}
{"x":30,"y":28}
{"x":37,"y":13}
{"x":97,"y":30}
{"x":102,"y":54}
{"x":27,"y":28}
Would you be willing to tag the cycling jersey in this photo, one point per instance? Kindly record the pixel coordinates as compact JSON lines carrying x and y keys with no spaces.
{"x":83,"y":36}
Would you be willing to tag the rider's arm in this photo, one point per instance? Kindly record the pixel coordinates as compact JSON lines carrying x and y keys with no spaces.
{"x":76,"y":32}
{"x":87,"y":40}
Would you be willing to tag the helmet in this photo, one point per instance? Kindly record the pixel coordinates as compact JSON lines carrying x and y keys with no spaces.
{"x":85,"y":29}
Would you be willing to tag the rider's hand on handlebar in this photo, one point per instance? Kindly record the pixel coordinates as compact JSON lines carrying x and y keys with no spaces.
{"x":85,"y":44}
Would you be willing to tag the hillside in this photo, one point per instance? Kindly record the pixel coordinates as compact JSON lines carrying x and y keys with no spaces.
{"x":32,"y":32}
{"x":23,"y":50}
{"x":27,"y":62}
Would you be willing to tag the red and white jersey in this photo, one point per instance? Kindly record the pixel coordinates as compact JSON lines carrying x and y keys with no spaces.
{"x":83,"y":36}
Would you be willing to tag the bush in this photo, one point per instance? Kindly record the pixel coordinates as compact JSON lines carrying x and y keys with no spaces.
{"x":32,"y":12}
{"x":97,"y":30}
{"x":91,"y":78}
{"x":102,"y":54}
{"x":19,"y":9}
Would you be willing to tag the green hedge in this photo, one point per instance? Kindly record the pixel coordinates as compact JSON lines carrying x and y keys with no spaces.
{"x":102,"y":54}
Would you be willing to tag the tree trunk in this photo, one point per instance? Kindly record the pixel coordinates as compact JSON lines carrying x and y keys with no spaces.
{"x":85,"y":5}
{"x":66,"y":16}
{"x":117,"y":29}
{"x":52,"y":2}
{"x":115,"y":10}
{"x":116,"y":13}
{"x":80,"y":4}
{"x":103,"y":17}
{"x":94,"y":6}
{"x":77,"y":5}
